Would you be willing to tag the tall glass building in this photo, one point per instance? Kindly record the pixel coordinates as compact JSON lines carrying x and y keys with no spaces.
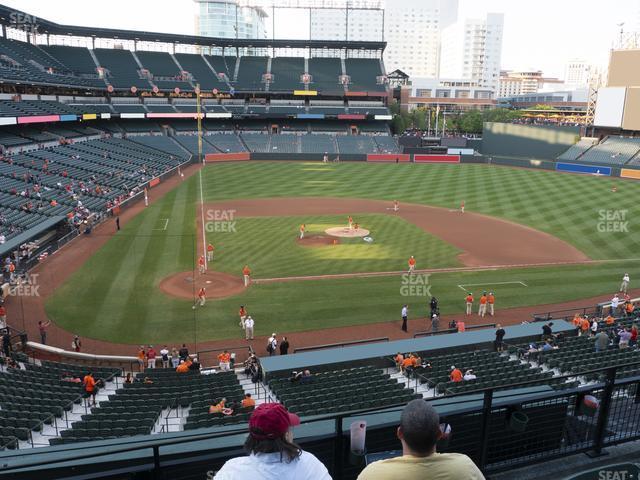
{"x":226,"y":19}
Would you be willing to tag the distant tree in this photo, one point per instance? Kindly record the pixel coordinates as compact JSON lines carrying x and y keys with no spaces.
{"x":501,"y":115}
{"x":542,"y":106}
{"x":470,"y":122}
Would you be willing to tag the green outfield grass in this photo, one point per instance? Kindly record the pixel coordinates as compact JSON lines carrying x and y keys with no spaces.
{"x":114,"y":296}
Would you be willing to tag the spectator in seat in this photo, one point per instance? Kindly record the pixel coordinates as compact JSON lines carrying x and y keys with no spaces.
{"x":218,"y":407}
{"x":194,"y":365}
{"x":609,"y":320}
{"x":90,"y":387}
{"x":547,"y":331}
{"x":633,"y":340}
{"x":184,"y":366}
{"x":248,"y":402}
{"x":272,"y":452}
{"x":6,"y":343}
{"x":175,"y":358}
{"x":306,"y":377}
{"x":128,"y":378}
{"x":399,"y":358}
{"x":456,"y":374}
{"x":3,"y":314}
{"x":419,"y":432}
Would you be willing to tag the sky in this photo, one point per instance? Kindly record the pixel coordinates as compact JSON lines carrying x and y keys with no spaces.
{"x":542,"y":35}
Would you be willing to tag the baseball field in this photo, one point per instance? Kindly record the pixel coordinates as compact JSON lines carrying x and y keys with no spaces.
{"x":532,"y":237}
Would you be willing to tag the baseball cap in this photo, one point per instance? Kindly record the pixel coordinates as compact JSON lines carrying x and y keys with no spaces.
{"x":271,"y":420}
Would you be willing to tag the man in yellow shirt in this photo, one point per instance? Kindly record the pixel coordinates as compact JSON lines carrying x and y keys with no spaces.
{"x":418,"y":432}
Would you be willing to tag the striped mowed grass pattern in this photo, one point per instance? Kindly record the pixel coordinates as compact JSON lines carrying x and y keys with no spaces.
{"x":114,"y":296}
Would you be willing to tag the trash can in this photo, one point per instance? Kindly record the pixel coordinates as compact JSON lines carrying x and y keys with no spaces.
{"x":518,"y":421}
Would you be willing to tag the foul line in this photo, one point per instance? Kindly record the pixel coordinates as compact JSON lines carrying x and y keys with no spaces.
{"x":462,"y":285}
{"x":204,"y":238}
{"x":166,"y":223}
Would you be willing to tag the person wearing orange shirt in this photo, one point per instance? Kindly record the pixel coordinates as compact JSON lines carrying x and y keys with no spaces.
{"x":248,"y":402}
{"x":399,"y":358}
{"x":576,"y":321}
{"x":456,"y":374}
{"x":350,"y":221}
{"x":218,"y":407}
{"x":610,"y":320}
{"x":224,"y":360}
{"x":184,"y":366}
{"x":396,"y":205}
{"x":584,"y":326}
{"x":462,"y":207}
{"x":302,"y":227}
{"x":246,"y":273}
{"x":243,"y":315}
{"x":491,"y":300}
{"x":469,"y":302}
{"x":210,"y":249}
{"x":628,"y":308}
{"x":201,"y":265}
{"x":90,"y":387}
{"x":412,"y":264}
{"x":482,"y":311}
{"x":201,"y":297}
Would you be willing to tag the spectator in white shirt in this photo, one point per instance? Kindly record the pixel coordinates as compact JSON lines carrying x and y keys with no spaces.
{"x":615,"y":301}
{"x":469,"y":375}
{"x":625,"y":283}
{"x":248,"y":327}
{"x":272,"y":453}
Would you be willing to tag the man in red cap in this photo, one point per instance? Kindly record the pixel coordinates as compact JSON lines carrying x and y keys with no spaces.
{"x":272,"y":453}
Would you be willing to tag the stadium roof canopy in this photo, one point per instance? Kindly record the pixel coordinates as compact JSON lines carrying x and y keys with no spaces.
{"x":12,"y":18}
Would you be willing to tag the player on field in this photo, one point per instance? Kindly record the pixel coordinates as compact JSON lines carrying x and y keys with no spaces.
{"x":350,"y":221}
{"x":412,"y":264}
{"x":482,"y":311}
{"x":462,"y":207}
{"x":243,"y":315}
{"x":302,"y":227}
{"x":201,"y":296}
{"x":491,"y":300}
{"x":210,"y":249}
{"x":396,"y":205}
{"x":246,"y":273}
{"x":469,"y":302}
{"x":201,"y":267}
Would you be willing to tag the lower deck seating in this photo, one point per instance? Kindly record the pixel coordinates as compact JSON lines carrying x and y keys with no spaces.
{"x":341,"y":390}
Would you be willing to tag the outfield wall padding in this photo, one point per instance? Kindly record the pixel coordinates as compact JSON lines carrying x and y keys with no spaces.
{"x":227,"y":157}
{"x":630,"y":173}
{"x":436,"y":158}
{"x":586,"y":169}
{"x":396,"y":157}
{"x":309,"y":157}
{"x":523,"y":163}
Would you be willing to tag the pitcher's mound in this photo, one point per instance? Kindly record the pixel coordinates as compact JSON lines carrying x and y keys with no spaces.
{"x":346,"y":232}
{"x":318,"y":241}
{"x":185,"y":285}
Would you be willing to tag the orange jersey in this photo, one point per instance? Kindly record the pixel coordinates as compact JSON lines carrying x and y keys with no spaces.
{"x":201,"y":261}
{"x":302,"y":228}
{"x":469,"y":298}
{"x":246,"y":271}
{"x":201,"y":293}
{"x":483,"y":299}
{"x":492,"y":299}
{"x":210,"y":248}
{"x":89,"y":383}
{"x":224,"y":358}
{"x":584,"y":324}
{"x":412,"y":261}
{"x":242,"y":312}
